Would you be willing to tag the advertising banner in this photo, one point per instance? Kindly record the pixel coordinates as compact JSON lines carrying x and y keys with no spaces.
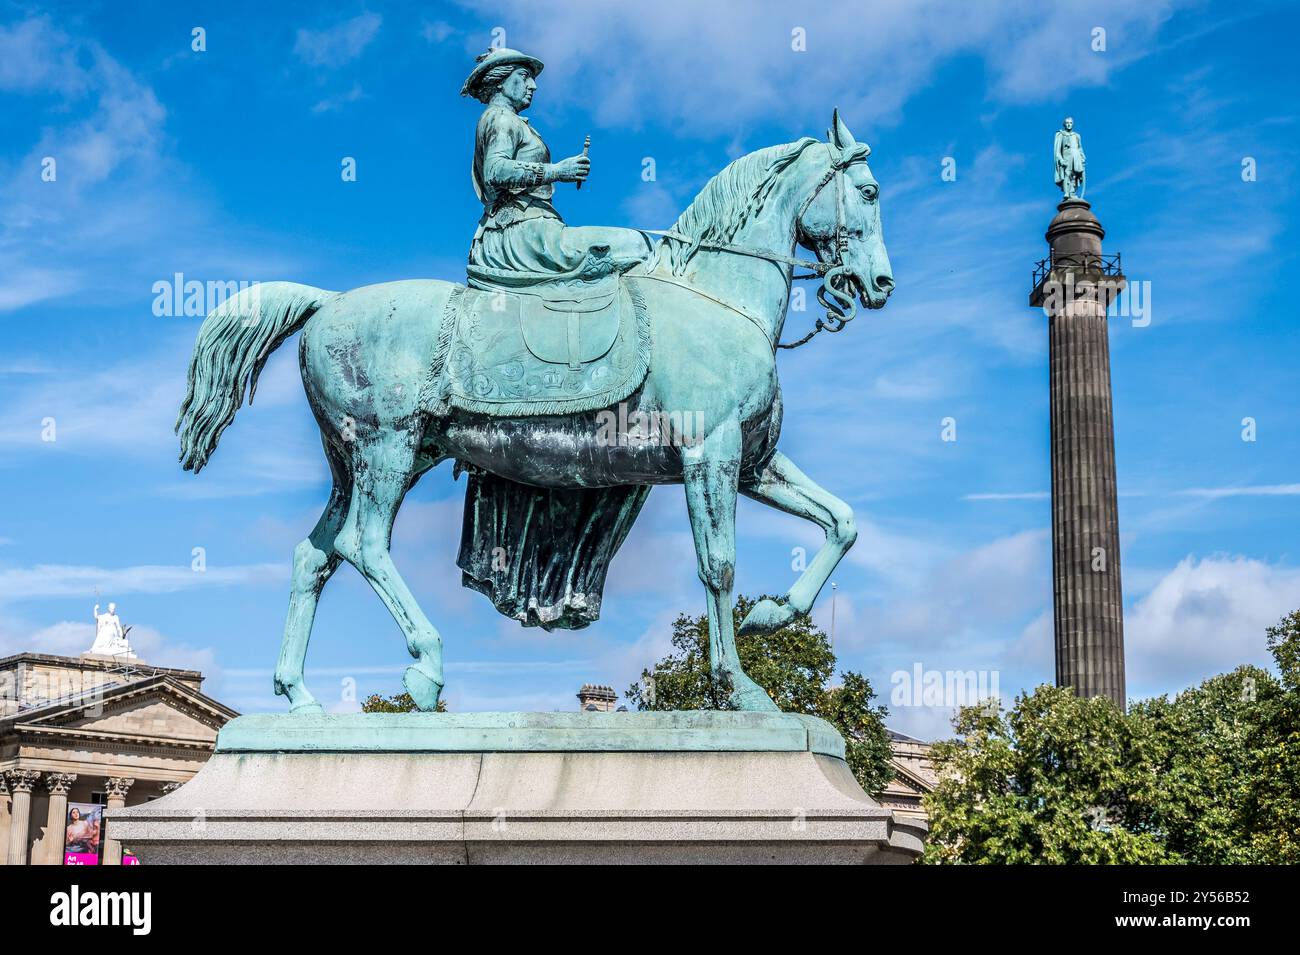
{"x":81,"y":842}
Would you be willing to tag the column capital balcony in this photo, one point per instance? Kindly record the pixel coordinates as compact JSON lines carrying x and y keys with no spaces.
{"x":118,"y":786}
{"x":59,"y":783}
{"x":22,"y":780}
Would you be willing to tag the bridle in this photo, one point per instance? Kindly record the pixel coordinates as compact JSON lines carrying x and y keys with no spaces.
{"x":837,"y":283}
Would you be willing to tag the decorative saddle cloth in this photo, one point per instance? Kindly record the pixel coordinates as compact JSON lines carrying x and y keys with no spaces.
{"x":552,"y":348}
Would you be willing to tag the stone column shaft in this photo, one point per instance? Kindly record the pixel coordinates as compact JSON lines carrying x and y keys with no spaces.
{"x":1075,"y":291}
{"x":21,"y":782}
{"x":116,"y":788}
{"x":5,"y":800}
{"x":1088,"y":599}
{"x":57,"y":818}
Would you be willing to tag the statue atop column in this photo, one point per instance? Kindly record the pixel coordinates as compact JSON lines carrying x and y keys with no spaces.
{"x":1067,"y":150}
{"x":110,"y":636}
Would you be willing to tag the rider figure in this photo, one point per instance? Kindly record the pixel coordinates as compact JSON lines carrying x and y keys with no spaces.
{"x":520,"y":231}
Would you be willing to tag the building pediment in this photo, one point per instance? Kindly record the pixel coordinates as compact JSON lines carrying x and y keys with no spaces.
{"x":909,"y":779}
{"x":159,"y":709}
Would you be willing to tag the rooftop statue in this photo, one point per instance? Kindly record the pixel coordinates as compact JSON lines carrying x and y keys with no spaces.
{"x":1067,"y":151}
{"x":110,"y":637}
{"x":580,"y":368}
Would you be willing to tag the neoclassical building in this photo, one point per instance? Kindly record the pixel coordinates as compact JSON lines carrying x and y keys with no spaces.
{"x":92,"y":731}
{"x":914,"y":776}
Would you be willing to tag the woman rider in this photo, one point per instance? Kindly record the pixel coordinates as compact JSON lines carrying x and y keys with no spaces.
{"x":520,"y":231}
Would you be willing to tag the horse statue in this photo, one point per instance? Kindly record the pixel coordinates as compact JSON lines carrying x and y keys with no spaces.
{"x":522,"y":390}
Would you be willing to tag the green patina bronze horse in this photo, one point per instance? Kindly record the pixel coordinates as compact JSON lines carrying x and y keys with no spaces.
{"x":714,"y":298}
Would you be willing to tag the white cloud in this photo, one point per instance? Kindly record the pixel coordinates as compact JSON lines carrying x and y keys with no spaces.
{"x":967,"y":597}
{"x":70,"y":638}
{"x":1204,"y":617}
{"x":726,"y":64}
{"x":69,"y":580}
{"x":338,"y":44}
{"x":1250,"y":490}
{"x":1010,"y":496}
{"x":332,"y":104}
{"x":436,"y":31}
{"x":121,"y":213}
{"x":128,"y":406}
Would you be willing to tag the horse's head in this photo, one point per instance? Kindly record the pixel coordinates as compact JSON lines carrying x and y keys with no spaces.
{"x":840,"y":223}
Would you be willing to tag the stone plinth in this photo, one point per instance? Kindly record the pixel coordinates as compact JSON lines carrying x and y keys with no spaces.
{"x":510,"y":788}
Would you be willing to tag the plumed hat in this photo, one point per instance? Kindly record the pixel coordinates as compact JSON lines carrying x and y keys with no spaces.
{"x":497,"y":56}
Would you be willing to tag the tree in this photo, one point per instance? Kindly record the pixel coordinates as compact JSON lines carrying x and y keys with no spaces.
{"x":1274,"y":802}
{"x":1055,"y":779}
{"x":1205,"y":742}
{"x":401,"y":703}
{"x":1209,"y":777}
{"x":795,"y":665}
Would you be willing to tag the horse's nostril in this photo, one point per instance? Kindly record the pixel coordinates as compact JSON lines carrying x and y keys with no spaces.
{"x":883,"y":283}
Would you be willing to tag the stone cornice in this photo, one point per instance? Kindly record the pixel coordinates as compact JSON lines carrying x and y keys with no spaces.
{"x":83,"y":737}
{"x":93,"y":663}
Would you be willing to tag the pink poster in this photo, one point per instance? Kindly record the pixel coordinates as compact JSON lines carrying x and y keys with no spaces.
{"x":81,"y":842}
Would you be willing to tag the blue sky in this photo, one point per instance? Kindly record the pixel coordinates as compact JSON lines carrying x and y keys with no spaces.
{"x":224,"y":165}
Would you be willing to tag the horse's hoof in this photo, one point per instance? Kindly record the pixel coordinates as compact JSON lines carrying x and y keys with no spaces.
{"x":751,"y":697}
{"x":424,"y":690}
{"x":766,"y":616}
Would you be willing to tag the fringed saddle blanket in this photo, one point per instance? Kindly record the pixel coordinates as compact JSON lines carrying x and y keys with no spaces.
{"x":557,"y":348}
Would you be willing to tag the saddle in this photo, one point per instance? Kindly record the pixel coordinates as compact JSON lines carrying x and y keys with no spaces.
{"x":552,"y":347}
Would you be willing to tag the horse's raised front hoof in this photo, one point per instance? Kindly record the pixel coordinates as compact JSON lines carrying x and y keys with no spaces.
{"x":749,"y":696}
{"x":423,"y":688}
{"x":766,"y":616}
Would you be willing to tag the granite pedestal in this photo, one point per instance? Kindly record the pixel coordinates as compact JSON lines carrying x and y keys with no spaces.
{"x":689,"y":787}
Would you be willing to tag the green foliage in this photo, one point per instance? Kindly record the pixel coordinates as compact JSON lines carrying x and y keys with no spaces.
{"x":795,"y":665}
{"x":401,"y":703}
{"x":1050,"y":781}
{"x":1274,"y":805}
{"x":1204,"y":751}
{"x":1209,"y":777}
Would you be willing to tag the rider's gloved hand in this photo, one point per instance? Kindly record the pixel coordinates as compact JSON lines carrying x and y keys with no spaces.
{"x":573,"y":169}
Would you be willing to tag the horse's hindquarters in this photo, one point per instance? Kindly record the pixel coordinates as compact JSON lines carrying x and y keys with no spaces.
{"x":367,"y":356}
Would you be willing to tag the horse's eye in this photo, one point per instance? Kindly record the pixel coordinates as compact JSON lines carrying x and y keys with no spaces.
{"x":869,"y":192}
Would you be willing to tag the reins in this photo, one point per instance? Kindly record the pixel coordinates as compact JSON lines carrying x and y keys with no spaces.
{"x":832,"y":274}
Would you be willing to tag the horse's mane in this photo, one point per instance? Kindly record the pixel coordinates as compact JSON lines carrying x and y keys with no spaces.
{"x":730,"y":199}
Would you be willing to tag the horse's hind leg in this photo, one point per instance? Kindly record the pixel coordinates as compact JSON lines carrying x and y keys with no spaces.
{"x":314,"y":560}
{"x":383,"y":474}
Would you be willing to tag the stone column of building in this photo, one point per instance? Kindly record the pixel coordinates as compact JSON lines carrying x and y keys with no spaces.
{"x":57,"y":819}
{"x":21,"y":782}
{"x":4,"y":819}
{"x":1075,"y":291}
{"x":115,"y":788}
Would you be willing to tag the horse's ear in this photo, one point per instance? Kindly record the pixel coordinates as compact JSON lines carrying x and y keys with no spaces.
{"x":839,"y":134}
{"x":840,"y":138}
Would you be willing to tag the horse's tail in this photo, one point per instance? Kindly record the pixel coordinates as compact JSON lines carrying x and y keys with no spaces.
{"x":234,"y":343}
